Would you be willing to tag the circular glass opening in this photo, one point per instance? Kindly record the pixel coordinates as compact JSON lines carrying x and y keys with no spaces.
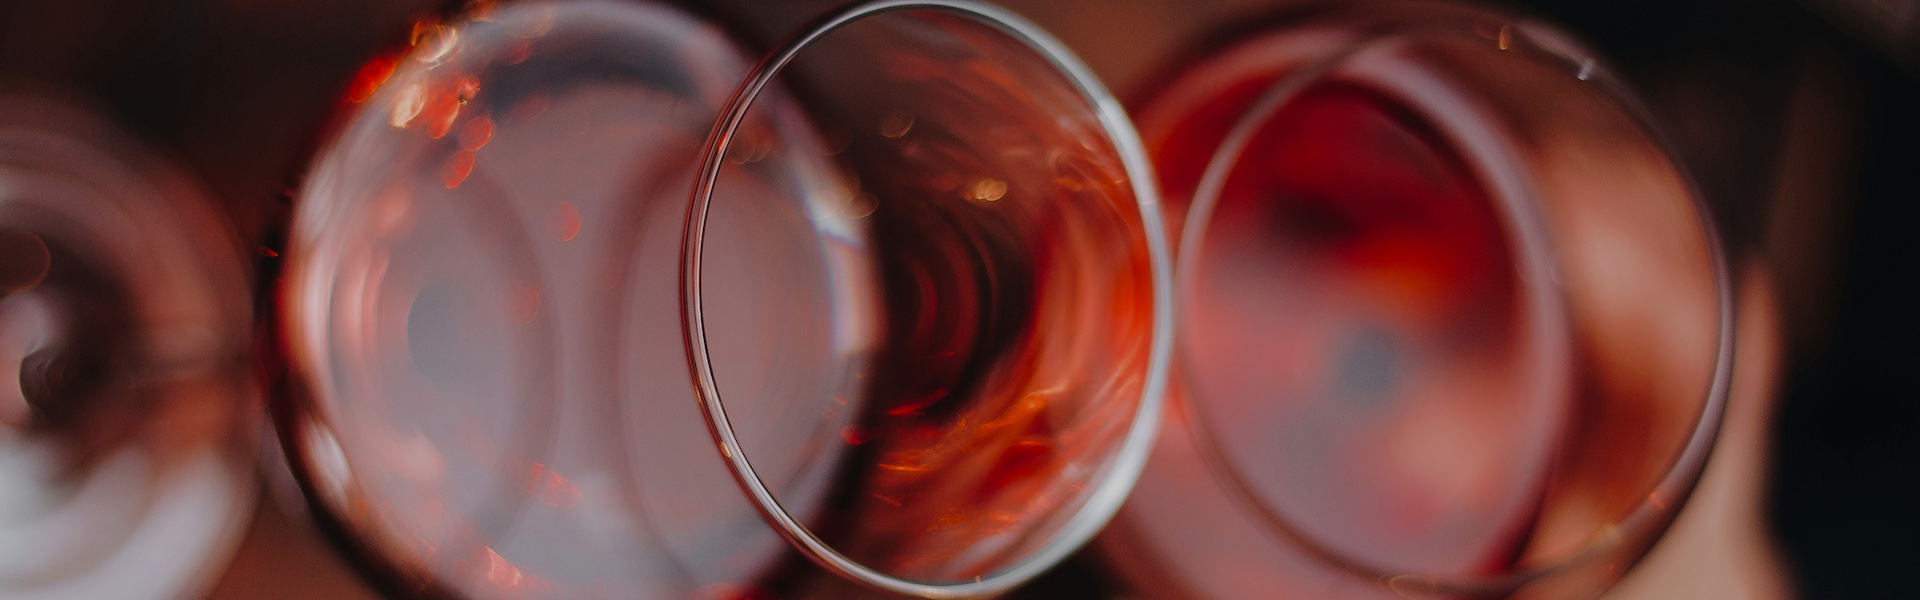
{"x":490,"y":390}
{"x":1453,"y":321}
{"x":984,"y":336}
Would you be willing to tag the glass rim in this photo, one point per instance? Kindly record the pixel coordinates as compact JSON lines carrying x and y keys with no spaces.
{"x":302,"y":409}
{"x":137,"y":216}
{"x":1127,"y":463}
{"x":1540,"y":42}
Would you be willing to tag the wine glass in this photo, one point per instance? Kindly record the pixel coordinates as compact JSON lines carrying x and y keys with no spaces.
{"x":125,"y":393}
{"x":468,"y":411}
{"x":1454,"y":321}
{"x":1003,"y":326}
{"x":492,"y":262}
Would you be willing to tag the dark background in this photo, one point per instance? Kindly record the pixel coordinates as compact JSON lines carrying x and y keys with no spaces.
{"x":1798,"y":118}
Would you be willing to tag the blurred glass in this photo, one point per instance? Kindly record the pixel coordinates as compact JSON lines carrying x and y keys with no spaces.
{"x":125,"y":392}
{"x":1453,"y":321}
{"x":467,"y":402}
{"x":933,"y":294}
{"x":998,"y":306}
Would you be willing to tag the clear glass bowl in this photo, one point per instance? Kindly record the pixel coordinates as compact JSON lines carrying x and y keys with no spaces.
{"x":126,"y":395}
{"x":926,"y":269}
{"x":1002,"y":329}
{"x":1454,"y":321}
{"x":486,"y":394}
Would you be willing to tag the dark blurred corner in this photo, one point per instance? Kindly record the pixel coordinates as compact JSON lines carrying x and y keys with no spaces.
{"x":1799,"y":119}
{"x":236,"y":88}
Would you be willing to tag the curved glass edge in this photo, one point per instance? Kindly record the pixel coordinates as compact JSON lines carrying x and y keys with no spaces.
{"x":301,"y":422}
{"x":196,"y":507}
{"x":1544,"y":43}
{"x":1127,"y":465}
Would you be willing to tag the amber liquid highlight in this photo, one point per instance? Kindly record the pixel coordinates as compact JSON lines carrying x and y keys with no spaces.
{"x":1364,"y":344}
{"x":1450,"y":331}
{"x":1403,"y":393}
{"x":1013,"y":301}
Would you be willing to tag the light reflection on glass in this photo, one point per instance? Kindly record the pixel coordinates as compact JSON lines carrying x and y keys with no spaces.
{"x":484,"y":320}
{"x":1010,"y":282}
{"x":124,"y":395}
{"x":932,"y":289}
{"x":1454,"y":321}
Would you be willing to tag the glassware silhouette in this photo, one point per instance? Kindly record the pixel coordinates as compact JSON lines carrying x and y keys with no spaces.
{"x":1003,"y":256}
{"x":125,"y":395}
{"x":485,"y":393}
{"x":1454,"y":322}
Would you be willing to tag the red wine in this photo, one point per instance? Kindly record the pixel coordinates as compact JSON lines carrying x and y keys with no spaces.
{"x":1406,"y":349}
{"x":1358,"y":332}
{"x":928,"y":299}
{"x":1013,"y":308}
